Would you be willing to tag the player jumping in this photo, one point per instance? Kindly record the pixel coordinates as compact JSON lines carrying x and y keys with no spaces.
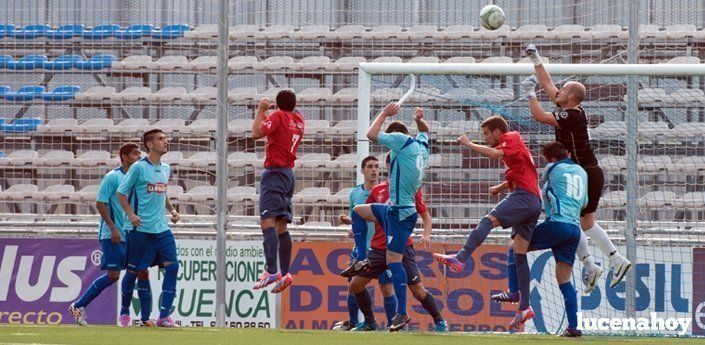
{"x":284,"y":129}
{"x":112,"y":242}
{"x":571,"y":125}
{"x":149,"y":238}
{"x":520,"y":209}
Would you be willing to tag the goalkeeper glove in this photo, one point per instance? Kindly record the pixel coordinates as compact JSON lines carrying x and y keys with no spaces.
{"x":533,"y":54}
{"x":529,"y":87}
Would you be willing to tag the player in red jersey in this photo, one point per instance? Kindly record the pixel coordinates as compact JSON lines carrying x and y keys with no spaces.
{"x":284,"y":129}
{"x":520,"y":209}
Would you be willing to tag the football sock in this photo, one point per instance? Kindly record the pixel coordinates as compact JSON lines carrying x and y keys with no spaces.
{"x":284,"y":252}
{"x":127,"y":287}
{"x":353,"y":309}
{"x":365,"y":303}
{"x":475,"y":239}
{"x":571,"y":304}
{"x":399,"y":281}
{"x":429,"y":303}
{"x":271,"y":243}
{"x":601,"y":239}
{"x":390,"y":308}
{"x":524,"y":279}
{"x":359,"y":229}
{"x":168,"y":289}
{"x":583,"y":251}
{"x":144,"y":291}
{"x":94,"y":290}
{"x":512,"y":272}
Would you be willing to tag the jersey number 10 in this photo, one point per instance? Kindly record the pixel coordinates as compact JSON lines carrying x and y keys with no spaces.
{"x":574,"y":186}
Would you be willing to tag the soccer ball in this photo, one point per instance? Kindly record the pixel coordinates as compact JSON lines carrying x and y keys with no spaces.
{"x":491,"y":17}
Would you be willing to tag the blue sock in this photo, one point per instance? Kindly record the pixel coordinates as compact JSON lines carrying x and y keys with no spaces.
{"x":524,"y":279}
{"x":127,"y":287}
{"x":353,"y":309}
{"x":359,"y":229}
{"x":168,"y":289}
{"x":285,"y":245}
{"x":399,"y":281}
{"x":144,"y":291}
{"x":390,"y":308}
{"x":571,"y":303}
{"x":475,"y":239}
{"x":512,"y":272}
{"x":271,"y":245}
{"x":93,"y":291}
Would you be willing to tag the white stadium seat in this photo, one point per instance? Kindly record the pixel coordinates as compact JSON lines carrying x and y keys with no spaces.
{"x":19,"y":158}
{"x":240,"y":127}
{"x":684,"y":60}
{"x":56,"y":158}
{"x":314,"y":160}
{"x":419,"y":32}
{"x":654,"y":164}
{"x":658,"y":199}
{"x":93,"y":158}
{"x":274,"y":32}
{"x":388,"y":59}
{"x":202,"y":127}
{"x":318,"y":224}
{"x":59,"y":126}
{"x":498,"y":95}
{"x":692,"y":200}
{"x":568,"y":31}
{"x":130,"y":126}
{"x":173,"y":157}
{"x":240,"y":194}
{"x":341,"y":197}
{"x":243,"y":159}
{"x":96,"y":126}
{"x":654,"y":130}
{"x":346,"y":161}
{"x":615,"y":164}
{"x":203,"y":63}
{"x":87,"y":195}
{"x":168,"y":125}
{"x":314,"y":94}
{"x":272,"y":92}
{"x":198,"y":194}
{"x":651,"y":31}
{"x":312,"y":195}
{"x":169,"y":94}
{"x":610,"y":130}
{"x":689,"y":129}
{"x":693,"y":164}
{"x":346,"y":95}
{"x":605,"y":31}
{"x":425,"y":94}
{"x":53,"y":193}
{"x":501,"y":32}
{"x":203,"y":31}
{"x":170,"y":63}
{"x":242,"y":31}
{"x":201,"y":160}
{"x":275,"y":63}
{"x":680,"y":31}
{"x":345,"y":127}
{"x":310,"y":32}
{"x":424,"y":59}
{"x":460,"y":59}
{"x":455,"y":32}
{"x":457,"y":128}
{"x":313,"y":63}
{"x":498,"y":59}
{"x":347,"y":63}
{"x":133,"y":62}
{"x":460,"y":94}
{"x":347,"y":32}
{"x":18,"y":192}
{"x":686,"y":96}
{"x":529,"y":31}
{"x":316,"y":126}
{"x":382,"y":32}
{"x":615,"y":199}
{"x":242,"y":94}
{"x":241,"y":63}
{"x":650,"y":95}
{"x":204,"y":94}
{"x":386,"y":95}
{"x":96,"y":93}
{"x":544,"y":60}
{"x":173,"y":192}
{"x":132,"y":94}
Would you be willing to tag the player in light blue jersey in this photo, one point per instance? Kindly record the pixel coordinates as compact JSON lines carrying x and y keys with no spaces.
{"x":112,"y":238}
{"x":564,"y":197}
{"x":409,"y":158}
{"x":142,"y":195}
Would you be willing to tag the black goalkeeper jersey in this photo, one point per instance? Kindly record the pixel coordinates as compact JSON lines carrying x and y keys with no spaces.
{"x":572,"y":132}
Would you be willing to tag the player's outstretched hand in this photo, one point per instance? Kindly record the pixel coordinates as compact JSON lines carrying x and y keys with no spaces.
{"x":464,"y":140}
{"x":264,"y":104}
{"x":175,"y":216}
{"x":494,"y":190}
{"x":529,"y":87}
{"x":418,"y":114}
{"x":391,"y":109}
{"x":533,"y":54}
{"x":344,"y":219}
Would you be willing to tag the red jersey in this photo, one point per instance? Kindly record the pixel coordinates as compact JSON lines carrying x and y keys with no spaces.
{"x":380,"y":195}
{"x":284,"y":131}
{"x":521,"y":170}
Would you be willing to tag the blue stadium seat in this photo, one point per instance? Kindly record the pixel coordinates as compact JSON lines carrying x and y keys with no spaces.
{"x":135,"y":32}
{"x":26,"y":93}
{"x":97,"y":62}
{"x":66,"y":32}
{"x":27,"y":62}
{"x":5,"y":30}
{"x":4,"y":59}
{"x":30,"y":31}
{"x":21,"y":125}
{"x":62,"y":93}
{"x":171,"y":31}
{"x":4,"y":89}
{"x":62,"y":62}
{"x":101,"y":31}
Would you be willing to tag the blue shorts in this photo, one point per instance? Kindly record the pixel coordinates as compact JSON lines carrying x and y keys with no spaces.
{"x":114,"y":255}
{"x":145,"y":249}
{"x":398,"y":231}
{"x":562,"y":238}
{"x":276,"y":191}
{"x":378,"y":267}
{"x":520,"y":210}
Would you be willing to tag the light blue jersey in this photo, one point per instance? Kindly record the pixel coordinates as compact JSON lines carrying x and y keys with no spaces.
{"x":106,"y":195}
{"x":409,"y":158}
{"x":564,"y":191}
{"x":145,"y":184}
{"x":358,"y":196}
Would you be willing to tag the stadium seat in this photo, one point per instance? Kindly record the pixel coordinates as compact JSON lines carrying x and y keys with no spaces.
{"x":30,"y":31}
{"x":529,"y":32}
{"x":418,"y":32}
{"x":650,"y":95}
{"x":314,"y":160}
{"x":275,"y":63}
{"x":654,"y":130}
{"x":544,"y":60}
{"x":568,"y":31}
{"x":242,"y":94}
{"x":316,"y":126}
{"x":169,"y":63}
{"x":202,"y":127}
{"x":318,"y":224}
{"x":93,"y":158}
{"x":26,"y":93}
{"x":615,"y":199}
{"x":87,"y":194}
{"x":53,"y":193}
{"x":498,"y":59}
{"x":202,"y":160}
{"x":424,"y":59}
{"x":4,"y":59}
{"x":132,"y":94}
{"x":62,"y":62}
{"x":6,"y":29}
{"x":4,"y":89}
{"x":204,"y":94}
{"x":654,"y":164}
{"x":345,"y":161}
{"x":613,"y":164}
{"x":174,"y":192}
{"x":96,"y":93}
{"x":239,"y":127}
{"x":684,"y":60}
{"x":347,"y":32}
{"x":203,"y":31}
{"x":65,"y":32}
{"x":101,"y":32}
{"x":456,"y":32}
{"x":62,"y":93}
{"x":348,"y":63}
{"x":19,"y":158}
{"x":647,"y":31}
{"x":241,"y":63}
{"x":203,"y":63}
{"x":692,"y":200}
{"x":274,"y":32}
{"x":385,"y":95}
{"x":345,"y":127}
{"x":388,"y":59}
{"x":21,"y":125}
{"x":501,"y":32}
{"x":689,"y":129}
{"x":96,"y":126}
{"x":383,"y":32}
{"x":199,"y":194}
{"x":605,"y":31}
{"x":686,"y":96}
{"x":130,"y":126}
{"x":240,"y":194}
{"x":460,"y":94}
{"x":314,"y":94}
{"x":272,"y":92}
{"x":457,"y":128}
{"x":460,"y":59}
{"x":18,"y":192}
{"x":610,"y":130}
{"x":169,"y":94}
{"x":425,"y":94}
{"x":27,"y":62}
{"x":693,"y":164}
{"x":312,"y":195}
{"x":97,"y":62}
{"x":313,"y":63}
{"x":311,"y":32}
{"x":170,"y":32}
{"x":242,"y":31}
{"x":346,"y":95}
{"x":498,"y":95}
{"x":133,"y":62}
{"x":243,"y":159}
{"x":173,"y":158}
{"x":58,"y":126}
{"x":342,"y":196}
{"x":135,"y":32}
{"x":680,"y":31}
{"x":658,"y":199}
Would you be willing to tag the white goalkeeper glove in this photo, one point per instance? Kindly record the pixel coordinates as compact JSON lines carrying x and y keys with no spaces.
{"x":529,"y":87}
{"x":533,"y":54}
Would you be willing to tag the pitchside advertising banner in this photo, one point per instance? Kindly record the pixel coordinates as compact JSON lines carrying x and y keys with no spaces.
{"x":698,"y":291}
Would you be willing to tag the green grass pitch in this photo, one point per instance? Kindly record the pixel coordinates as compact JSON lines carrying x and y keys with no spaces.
{"x":208,"y":336}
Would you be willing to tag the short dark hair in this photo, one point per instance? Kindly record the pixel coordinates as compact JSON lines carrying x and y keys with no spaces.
{"x":397,"y":126}
{"x":367,"y":159}
{"x":388,"y":157}
{"x":149,"y":136}
{"x":554,"y":150}
{"x":495,"y":122}
{"x":126,"y":148}
{"x":286,"y":100}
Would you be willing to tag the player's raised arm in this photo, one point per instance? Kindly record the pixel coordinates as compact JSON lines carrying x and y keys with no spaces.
{"x":486,"y":151}
{"x":421,"y":124}
{"x":537,"y":112}
{"x":390,"y":110}
{"x":542,"y":75}
{"x":260,"y":116}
